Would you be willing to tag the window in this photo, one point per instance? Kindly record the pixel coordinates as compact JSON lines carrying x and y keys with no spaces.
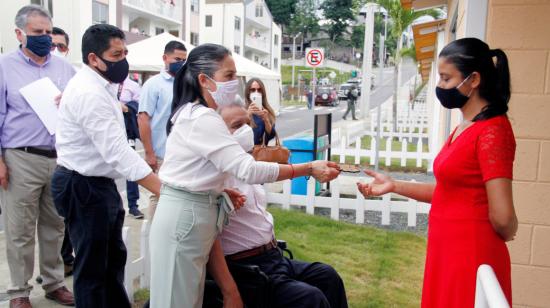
{"x":259,"y":10}
{"x":194,"y":38}
{"x":195,"y":6}
{"x":276,"y":63}
{"x":276,"y":40}
{"x":158,"y":30}
{"x":237,"y":49}
{"x":237,"y":23}
{"x":45,"y":3}
{"x":100,"y":12}
{"x":208,"y":21}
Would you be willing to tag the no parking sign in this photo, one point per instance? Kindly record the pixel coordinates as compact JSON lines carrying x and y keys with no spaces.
{"x":315,"y":57}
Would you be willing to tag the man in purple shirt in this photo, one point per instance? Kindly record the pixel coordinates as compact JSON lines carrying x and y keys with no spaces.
{"x":28,"y":161}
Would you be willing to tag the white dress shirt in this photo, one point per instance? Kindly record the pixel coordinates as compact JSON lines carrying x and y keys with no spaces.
{"x":252,"y":225}
{"x":200,"y":152}
{"x":91,"y":137}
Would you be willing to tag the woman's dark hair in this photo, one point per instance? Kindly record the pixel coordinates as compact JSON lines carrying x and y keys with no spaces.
{"x":265,"y":103}
{"x":473,"y":55}
{"x":203,"y":59}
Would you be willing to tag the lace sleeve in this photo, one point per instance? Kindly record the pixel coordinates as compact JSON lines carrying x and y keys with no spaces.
{"x":496,"y":147}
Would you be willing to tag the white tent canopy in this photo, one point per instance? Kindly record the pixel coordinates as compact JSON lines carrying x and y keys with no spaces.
{"x":146,"y":56}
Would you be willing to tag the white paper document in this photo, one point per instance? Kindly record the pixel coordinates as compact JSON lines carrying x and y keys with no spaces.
{"x":41,"y":96}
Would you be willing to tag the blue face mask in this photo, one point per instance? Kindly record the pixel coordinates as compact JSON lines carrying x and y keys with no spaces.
{"x":40,"y":45}
{"x":173,"y":68}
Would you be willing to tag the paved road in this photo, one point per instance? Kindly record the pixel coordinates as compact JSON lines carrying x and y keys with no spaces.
{"x":296,"y":119}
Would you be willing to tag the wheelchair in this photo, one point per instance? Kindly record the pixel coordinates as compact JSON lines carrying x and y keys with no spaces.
{"x":254,"y":285}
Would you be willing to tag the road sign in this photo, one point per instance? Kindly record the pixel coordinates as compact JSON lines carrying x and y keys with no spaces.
{"x":315,"y":57}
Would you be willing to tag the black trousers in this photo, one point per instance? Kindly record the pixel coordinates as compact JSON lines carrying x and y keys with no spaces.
{"x":93,"y":211}
{"x":67,"y":248}
{"x":300,"y":284}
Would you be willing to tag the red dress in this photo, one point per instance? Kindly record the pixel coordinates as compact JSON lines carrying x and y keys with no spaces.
{"x":460,"y":236}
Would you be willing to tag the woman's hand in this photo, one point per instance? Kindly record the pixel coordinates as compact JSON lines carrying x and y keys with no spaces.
{"x":237,"y":198}
{"x":253,"y":109}
{"x":232,"y":300}
{"x":324,"y":171}
{"x":381,"y":185}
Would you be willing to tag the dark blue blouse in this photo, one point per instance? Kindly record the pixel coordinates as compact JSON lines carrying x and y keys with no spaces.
{"x":259,"y":130}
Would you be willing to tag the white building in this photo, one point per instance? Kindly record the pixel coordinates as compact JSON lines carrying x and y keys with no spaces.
{"x":246,"y":27}
{"x":138,"y":18}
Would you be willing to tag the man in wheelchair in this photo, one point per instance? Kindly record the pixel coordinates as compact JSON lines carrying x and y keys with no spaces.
{"x":264,"y":276}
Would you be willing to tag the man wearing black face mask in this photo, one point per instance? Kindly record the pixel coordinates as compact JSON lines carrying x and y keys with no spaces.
{"x":155,"y":107}
{"x":92,"y":152}
{"x":27,"y":162}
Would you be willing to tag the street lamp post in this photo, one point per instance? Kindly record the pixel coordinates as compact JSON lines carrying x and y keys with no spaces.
{"x":367,"y":59}
{"x":381,"y":56}
{"x":293,"y":59}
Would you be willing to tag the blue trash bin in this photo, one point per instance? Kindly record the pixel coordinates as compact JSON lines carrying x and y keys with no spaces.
{"x":301,"y":151}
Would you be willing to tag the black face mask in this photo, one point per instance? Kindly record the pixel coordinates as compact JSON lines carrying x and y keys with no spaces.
{"x":452,"y":98}
{"x":116,"y":71}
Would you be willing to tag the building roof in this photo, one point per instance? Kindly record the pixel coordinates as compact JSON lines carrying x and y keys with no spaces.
{"x":422,"y":4}
{"x":425,"y":40}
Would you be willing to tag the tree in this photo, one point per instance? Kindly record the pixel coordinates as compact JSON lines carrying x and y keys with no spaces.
{"x":304,"y":19}
{"x":281,"y":10}
{"x":339,"y":14}
{"x":401,"y":19}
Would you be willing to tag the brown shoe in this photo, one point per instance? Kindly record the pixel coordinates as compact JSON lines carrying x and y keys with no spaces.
{"x":20,"y":302}
{"x":61,"y":296}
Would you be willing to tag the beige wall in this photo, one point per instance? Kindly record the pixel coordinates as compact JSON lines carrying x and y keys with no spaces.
{"x":521,"y":28}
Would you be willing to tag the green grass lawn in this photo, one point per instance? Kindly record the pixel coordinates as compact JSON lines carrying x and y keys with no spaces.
{"x":380,"y":268}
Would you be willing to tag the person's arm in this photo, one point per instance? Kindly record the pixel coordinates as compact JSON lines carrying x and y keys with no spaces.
{"x":100,"y":124}
{"x":147,"y":104}
{"x":383,"y":184}
{"x":502,"y":214}
{"x":152,"y":183}
{"x":210,"y":138}
{"x":217,"y":267}
{"x":4,"y":174}
{"x":144,"y":123}
{"x":495,"y":150}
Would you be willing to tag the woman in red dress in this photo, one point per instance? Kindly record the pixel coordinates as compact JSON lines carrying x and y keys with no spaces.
{"x":472,"y":214}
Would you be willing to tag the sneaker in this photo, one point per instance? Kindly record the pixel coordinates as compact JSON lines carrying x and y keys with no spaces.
{"x":136,"y":213}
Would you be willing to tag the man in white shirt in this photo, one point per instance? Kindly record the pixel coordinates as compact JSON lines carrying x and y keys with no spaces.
{"x":249,"y":238}
{"x":92,"y":152}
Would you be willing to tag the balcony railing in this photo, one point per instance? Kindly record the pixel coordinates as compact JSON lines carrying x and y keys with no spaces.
{"x":260,"y":43}
{"x":166,"y":8}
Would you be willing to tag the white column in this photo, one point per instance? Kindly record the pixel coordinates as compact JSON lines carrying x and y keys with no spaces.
{"x":367,"y":59}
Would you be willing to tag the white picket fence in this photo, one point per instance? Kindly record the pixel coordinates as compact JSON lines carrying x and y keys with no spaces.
{"x":140,"y":267}
{"x":488,"y":291}
{"x":359,"y":204}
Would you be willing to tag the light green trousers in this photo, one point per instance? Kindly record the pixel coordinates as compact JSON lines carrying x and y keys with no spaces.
{"x":182,"y":234}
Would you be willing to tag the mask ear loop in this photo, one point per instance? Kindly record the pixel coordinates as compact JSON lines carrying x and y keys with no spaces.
{"x":463,"y":81}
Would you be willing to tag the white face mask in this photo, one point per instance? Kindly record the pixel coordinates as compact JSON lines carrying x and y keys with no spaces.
{"x":245,"y":137}
{"x":257,"y":99}
{"x":58,"y":53}
{"x":225,"y":91}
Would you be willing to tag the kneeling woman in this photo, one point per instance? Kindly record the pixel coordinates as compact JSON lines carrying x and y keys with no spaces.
{"x":200,"y":152}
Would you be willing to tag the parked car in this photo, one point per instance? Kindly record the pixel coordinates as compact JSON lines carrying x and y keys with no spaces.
{"x":343,"y":91}
{"x":326,"y":96}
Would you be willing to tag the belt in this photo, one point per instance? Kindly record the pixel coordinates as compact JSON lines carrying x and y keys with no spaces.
{"x":253,"y":252}
{"x":38,"y":151}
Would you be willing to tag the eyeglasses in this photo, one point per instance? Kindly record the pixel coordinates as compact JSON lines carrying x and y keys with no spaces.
{"x":255,"y":90}
{"x":60,"y":47}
